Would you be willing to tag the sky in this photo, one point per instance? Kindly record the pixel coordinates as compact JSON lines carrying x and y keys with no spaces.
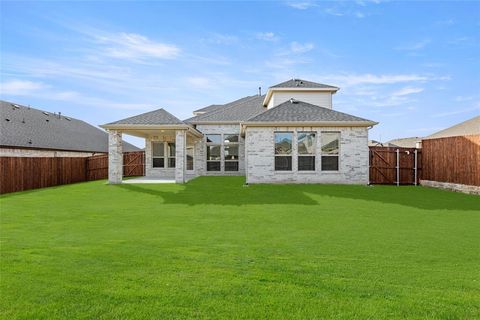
{"x":412,"y":66}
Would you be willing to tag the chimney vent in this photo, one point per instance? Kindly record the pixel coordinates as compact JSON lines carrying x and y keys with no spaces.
{"x":259,"y":91}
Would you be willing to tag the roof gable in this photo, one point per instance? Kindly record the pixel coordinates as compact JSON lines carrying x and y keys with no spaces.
{"x":299,"y":111}
{"x":299,"y":83}
{"x":155,"y":117}
{"x":27,"y":127}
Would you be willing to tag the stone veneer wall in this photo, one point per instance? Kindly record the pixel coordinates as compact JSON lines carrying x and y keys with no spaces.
{"x":166,"y":173}
{"x":451,"y":186}
{"x":201,"y":159}
{"x":353,"y":158}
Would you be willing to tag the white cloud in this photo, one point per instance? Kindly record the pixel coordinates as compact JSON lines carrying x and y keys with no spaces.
{"x":224,"y":39}
{"x":20,"y":87}
{"x":414,"y":46}
{"x":296,"y":47}
{"x":136,"y":47}
{"x":200,"y":82}
{"x":359,"y":79}
{"x":407,"y":90}
{"x":301,"y":5}
{"x":266,"y":36}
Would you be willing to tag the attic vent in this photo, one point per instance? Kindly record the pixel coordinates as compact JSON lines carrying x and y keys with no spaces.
{"x":292,"y":100}
{"x":6,"y":119}
{"x":45,"y":113}
{"x":47,"y":120}
{"x":15,"y":106}
{"x":67,"y":118}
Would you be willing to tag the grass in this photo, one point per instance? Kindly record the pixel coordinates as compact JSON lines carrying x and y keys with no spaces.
{"x":215,"y":249}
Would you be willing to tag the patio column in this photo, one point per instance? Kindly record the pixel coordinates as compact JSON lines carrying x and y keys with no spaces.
{"x":115,"y":157}
{"x":180,"y":153}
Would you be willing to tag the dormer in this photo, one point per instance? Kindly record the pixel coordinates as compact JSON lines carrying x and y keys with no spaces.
{"x":302,"y":90}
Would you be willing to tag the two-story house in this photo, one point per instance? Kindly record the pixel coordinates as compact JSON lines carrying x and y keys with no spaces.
{"x":289,"y":135}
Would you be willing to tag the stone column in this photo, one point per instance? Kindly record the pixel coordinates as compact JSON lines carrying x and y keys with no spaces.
{"x":115,"y":157}
{"x":180,"y":154}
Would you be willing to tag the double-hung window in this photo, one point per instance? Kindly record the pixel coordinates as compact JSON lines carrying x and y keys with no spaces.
{"x":158,"y":155}
{"x":330,"y":150}
{"x":190,"y":157}
{"x":163,"y":154}
{"x":230,"y":152}
{"x":306,"y":151}
{"x":214,"y":157}
{"x":283,"y":151}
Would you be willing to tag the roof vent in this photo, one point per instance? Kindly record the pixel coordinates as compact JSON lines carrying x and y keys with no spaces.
{"x":23,"y":120}
{"x":47,"y":120}
{"x":45,"y":113}
{"x":67,"y":118}
{"x":292,"y":100}
{"x":15,"y":106}
{"x":30,"y":141}
{"x":6,"y":119}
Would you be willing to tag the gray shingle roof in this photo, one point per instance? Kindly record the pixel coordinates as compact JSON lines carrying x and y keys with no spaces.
{"x":299,"y":83}
{"x":209,"y":108}
{"x":466,"y":128}
{"x":238,"y":110}
{"x":300,"y":111}
{"x":159,"y":116}
{"x":33,"y":128}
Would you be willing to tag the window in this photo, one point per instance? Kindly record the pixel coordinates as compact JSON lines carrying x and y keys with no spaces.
{"x":283,"y":151}
{"x":171,"y":155}
{"x":214,"y":157}
{"x":230,"y":152}
{"x":158,"y":155}
{"x":189,"y":158}
{"x":330,"y":150}
{"x":306,"y":151}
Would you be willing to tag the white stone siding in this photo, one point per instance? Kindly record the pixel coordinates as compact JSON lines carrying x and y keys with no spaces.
{"x":323,"y":99}
{"x":353,"y":157}
{"x":20,"y":152}
{"x":115,"y":157}
{"x":180,"y":162}
{"x":201,"y":160}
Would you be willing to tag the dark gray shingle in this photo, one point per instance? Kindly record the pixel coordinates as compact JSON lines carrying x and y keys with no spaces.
{"x":159,"y":116}
{"x":23,"y":126}
{"x":299,"y":83}
{"x":299,"y":111}
{"x":238,"y":110}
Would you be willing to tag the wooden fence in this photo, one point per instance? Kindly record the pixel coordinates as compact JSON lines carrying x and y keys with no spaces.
{"x":452,"y":159}
{"x":383,"y":165}
{"x":25,"y":173}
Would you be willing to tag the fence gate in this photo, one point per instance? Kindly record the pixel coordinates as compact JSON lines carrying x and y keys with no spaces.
{"x":395,"y":165}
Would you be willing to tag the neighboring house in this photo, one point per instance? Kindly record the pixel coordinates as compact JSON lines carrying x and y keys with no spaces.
{"x":466,"y":128}
{"x":411,"y":142}
{"x":29,"y":132}
{"x":374,"y":143}
{"x":289,"y":135}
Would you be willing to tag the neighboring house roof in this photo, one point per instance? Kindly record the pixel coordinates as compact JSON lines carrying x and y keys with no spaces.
{"x":410,"y":142}
{"x":26,"y":127}
{"x":236,"y":111}
{"x":155,"y":117}
{"x":374,"y":143}
{"x":299,"y":83}
{"x":299,"y":111}
{"x":466,"y":128}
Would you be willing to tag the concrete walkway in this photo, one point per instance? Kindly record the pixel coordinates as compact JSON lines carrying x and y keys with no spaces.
{"x":148,"y":180}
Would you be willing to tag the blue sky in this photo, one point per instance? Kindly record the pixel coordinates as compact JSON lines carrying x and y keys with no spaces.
{"x":412,"y":66}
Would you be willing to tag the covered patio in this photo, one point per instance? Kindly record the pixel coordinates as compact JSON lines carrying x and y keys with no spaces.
{"x":171,"y":147}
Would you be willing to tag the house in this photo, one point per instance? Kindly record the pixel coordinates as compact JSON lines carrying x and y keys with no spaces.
{"x":465,"y":128}
{"x":411,"y":142}
{"x":289,"y":135}
{"x":29,"y":132}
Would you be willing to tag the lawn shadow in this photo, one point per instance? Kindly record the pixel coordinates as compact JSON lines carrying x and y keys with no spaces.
{"x":232,"y":191}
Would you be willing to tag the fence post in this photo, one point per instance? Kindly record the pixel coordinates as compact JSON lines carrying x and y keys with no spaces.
{"x":416,"y":167}
{"x":398,"y":167}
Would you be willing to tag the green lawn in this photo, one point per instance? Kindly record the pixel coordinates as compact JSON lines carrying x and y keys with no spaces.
{"x":215,"y":249}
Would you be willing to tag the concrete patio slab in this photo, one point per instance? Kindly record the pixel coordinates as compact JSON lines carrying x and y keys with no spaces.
{"x":148,"y":180}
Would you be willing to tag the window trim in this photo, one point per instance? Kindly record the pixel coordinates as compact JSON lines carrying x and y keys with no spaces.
{"x":283,"y":154}
{"x":213,"y":144}
{"x":337,"y":155}
{"x":310,"y":155}
{"x":225,"y":144}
